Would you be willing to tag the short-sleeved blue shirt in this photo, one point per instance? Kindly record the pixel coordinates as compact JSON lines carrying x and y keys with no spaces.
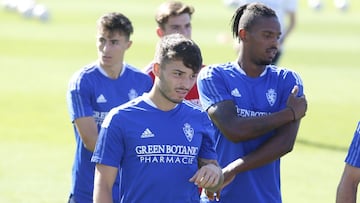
{"x":157,"y":150}
{"x":252,"y":97}
{"x":92,"y":93}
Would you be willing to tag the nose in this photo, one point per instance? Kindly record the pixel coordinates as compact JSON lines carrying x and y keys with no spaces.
{"x":275,"y":42}
{"x":186,"y":32}
{"x":188,"y":82}
{"x":106,"y":46}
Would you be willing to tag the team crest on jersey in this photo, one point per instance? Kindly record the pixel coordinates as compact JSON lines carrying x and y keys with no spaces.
{"x":188,"y":131}
{"x":132,"y":94}
{"x":271,"y":96}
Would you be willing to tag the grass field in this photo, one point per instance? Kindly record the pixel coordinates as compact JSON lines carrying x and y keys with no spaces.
{"x":37,"y":59}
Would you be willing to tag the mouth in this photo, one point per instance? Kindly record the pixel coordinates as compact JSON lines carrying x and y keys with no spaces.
{"x":182,"y":92}
{"x":272,"y":52}
{"x":106,"y":57}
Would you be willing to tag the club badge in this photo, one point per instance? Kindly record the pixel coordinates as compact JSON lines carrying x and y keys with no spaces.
{"x":188,"y":131}
{"x":271,"y":96}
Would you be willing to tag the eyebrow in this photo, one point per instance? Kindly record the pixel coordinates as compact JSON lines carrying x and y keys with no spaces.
{"x":177,"y":70}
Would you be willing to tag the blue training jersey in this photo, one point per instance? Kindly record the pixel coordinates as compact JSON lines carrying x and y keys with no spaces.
{"x":156,"y":150}
{"x":253,"y":97}
{"x":91,"y":93}
{"x":353,"y":156}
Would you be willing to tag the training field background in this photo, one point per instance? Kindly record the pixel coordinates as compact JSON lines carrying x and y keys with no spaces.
{"x":37,"y":60}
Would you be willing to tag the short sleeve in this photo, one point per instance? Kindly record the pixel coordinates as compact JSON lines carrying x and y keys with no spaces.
{"x":79,"y":97}
{"x":212,"y":87}
{"x":353,"y":156}
{"x":109,"y":146}
{"x":207,"y":150}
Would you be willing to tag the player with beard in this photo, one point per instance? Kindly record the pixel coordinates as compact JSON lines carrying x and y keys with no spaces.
{"x":255,"y":107}
{"x":162,"y":143}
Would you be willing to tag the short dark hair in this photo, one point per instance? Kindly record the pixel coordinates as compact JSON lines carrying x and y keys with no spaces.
{"x":116,"y":22}
{"x":246,"y":16}
{"x":178,"y":47}
{"x":171,"y":8}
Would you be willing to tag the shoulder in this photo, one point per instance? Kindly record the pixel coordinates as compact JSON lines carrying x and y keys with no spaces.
{"x":194,"y":110}
{"x":282,"y":71}
{"x":133,"y":69}
{"x":286,"y":77}
{"x":132,"y":103}
{"x":120,"y":112}
{"x":130,"y":69}
{"x":190,"y":105}
{"x":84,"y":72}
{"x":220,"y":66}
{"x":212,"y":69}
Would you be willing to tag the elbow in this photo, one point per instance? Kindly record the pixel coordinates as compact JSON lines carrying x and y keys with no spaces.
{"x":287,"y":147}
{"x":89,"y":146}
{"x":286,"y":142}
{"x":91,"y":149}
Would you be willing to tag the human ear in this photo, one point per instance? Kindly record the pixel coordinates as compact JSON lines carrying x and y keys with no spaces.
{"x":159,"y":32}
{"x":156,"y":69}
{"x":242,"y":34}
{"x":129,"y":44}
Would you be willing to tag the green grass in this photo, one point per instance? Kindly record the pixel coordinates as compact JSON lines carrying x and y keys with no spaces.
{"x":37,"y":59}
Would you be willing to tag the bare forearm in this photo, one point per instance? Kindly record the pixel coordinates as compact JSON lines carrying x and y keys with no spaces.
{"x":346,"y":195}
{"x":237,"y":128}
{"x":90,"y":143}
{"x":277,"y":146}
{"x":103,"y":183}
{"x":347,"y":188}
{"x":102,"y":196}
{"x":88,"y":132}
{"x":249,"y":128}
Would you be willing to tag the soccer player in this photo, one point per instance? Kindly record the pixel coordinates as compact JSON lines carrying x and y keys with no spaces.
{"x":94,"y":90}
{"x":174,"y":17}
{"x":255,"y":107}
{"x":162,"y":143}
{"x":286,"y":13}
{"x":347,"y":188}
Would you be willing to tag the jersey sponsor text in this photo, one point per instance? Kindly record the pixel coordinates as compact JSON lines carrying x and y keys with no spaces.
{"x":167,"y":154}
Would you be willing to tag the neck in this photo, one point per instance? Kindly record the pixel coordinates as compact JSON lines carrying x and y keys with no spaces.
{"x":251,"y":69}
{"x":113,"y":72}
{"x":160,"y":100}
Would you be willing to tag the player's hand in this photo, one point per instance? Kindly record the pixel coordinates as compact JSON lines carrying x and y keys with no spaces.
{"x":228,"y":178}
{"x":208,"y":176}
{"x":297,"y":104}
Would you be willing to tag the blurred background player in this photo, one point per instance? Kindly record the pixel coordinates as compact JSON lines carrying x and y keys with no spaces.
{"x":27,"y":9}
{"x":341,"y":5}
{"x":285,"y":10}
{"x":174,"y":17}
{"x":93,"y":91}
{"x":347,"y":188}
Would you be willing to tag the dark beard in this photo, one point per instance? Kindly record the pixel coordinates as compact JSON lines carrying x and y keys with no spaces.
{"x":264,"y":62}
